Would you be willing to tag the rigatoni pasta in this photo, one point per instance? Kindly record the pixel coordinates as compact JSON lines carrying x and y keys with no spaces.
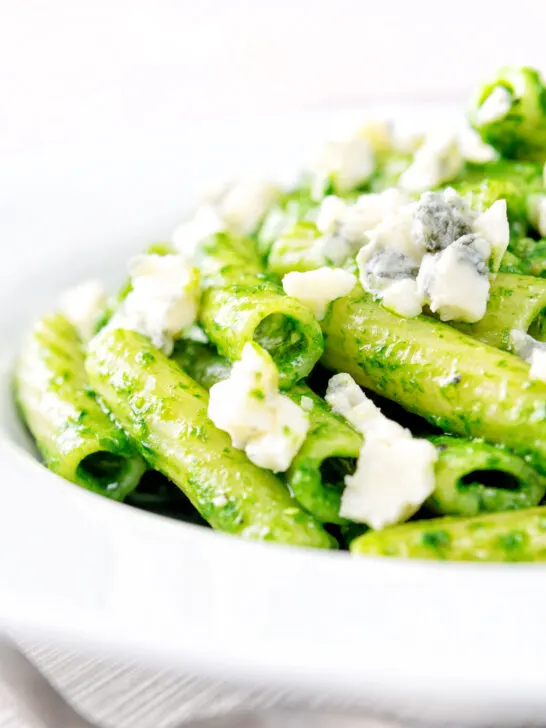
{"x":76,"y":437}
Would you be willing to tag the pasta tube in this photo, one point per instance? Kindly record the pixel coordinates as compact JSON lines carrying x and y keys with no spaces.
{"x":241,"y":304}
{"x":457,"y":383}
{"x":76,"y":437}
{"x":316,"y":476}
{"x":511,"y":536}
{"x":508,"y":112}
{"x":165,"y":412}
{"x":473,"y":476}
{"x":516,"y":302}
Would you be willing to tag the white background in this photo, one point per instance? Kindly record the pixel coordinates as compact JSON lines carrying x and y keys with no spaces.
{"x":73,"y":68}
{"x":90,"y":89}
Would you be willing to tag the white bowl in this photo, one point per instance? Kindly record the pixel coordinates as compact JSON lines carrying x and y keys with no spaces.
{"x":464,"y":643}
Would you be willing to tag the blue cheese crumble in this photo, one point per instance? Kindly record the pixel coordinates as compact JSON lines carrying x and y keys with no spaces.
{"x":343,"y":164}
{"x":388,"y":265}
{"x":495,"y":107}
{"x":437,"y":161}
{"x":531,"y":351}
{"x":441,"y":157}
{"x":237,"y":207}
{"x":164,"y":299}
{"x":536,"y":208}
{"x":266,"y":424}
{"x":395,"y":472}
{"x":435,"y":252}
{"x":455,"y":281}
{"x":317,"y":288}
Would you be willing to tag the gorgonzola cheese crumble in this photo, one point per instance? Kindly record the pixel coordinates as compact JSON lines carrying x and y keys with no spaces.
{"x":303,"y":247}
{"x":455,"y":281}
{"x":395,"y":472}
{"x":344,"y":164}
{"x":531,"y":351}
{"x":538,"y":364}
{"x":495,"y":107}
{"x":341,"y":229}
{"x":351,"y":221}
{"x":388,"y":265}
{"x":317,"y":288}
{"x":236,"y":207}
{"x":493,"y":226}
{"x":83,"y":306}
{"x":536,"y":208}
{"x":441,"y":157}
{"x":163,"y":301}
{"x":266,"y":424}
{"x":204,"y":222}
{"x":244,"y":204}
{"x":437,"y":161}
{"x":436,"y":252}
{"x":474,"y":149}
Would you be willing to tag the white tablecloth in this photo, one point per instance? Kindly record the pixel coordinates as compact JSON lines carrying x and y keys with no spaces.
{"x":119,"y":695}
{"x":127,"y":696}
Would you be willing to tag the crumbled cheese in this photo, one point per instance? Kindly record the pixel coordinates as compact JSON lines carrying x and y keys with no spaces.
{"x":395,"y":233}
{"x":244,"y":204}
{"x":345,"y":164}
{"x":195,"y":333}
{"x":455,"y":281}
{"x":395,"y":472}
{"x":438,"y":252}
{"x":302,"y":247}
{"x":392,"y":480}
{"x":403,"y":298}
{"x":389,"y":263}
{"x":345,"y":226}
{"x":522,"y":344}
{"x":436,"y":161}
{"x":235,"y":207}
{"x":83,"y":306}
{"x":531,"y":351}
{"x":382,"y":270}
{"x":347,"y":399}
{"x":370,"y":209}
{"x":537,"y":212}
{"x":474,"y":149}
{"x":189,"y":234}
{"x":538,"y":364}
{"x":353,"y":220}
{"x":268,"y":425}
{"x":306,"y":403}
{"x":440,"y":218}
{"x":163,"y":301}
{"x":317,"y":288}
{"x":493,"y":226}
{"x":495,"y":107}
{"x":330,"y":213}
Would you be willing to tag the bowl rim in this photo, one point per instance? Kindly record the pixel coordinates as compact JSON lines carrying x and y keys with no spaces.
{"x":408,"y":633}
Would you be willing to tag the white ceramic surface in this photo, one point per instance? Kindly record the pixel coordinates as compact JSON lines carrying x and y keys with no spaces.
{"x":459,"y":642}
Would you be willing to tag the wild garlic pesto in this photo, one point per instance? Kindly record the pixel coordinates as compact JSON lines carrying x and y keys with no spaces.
{"x":315,"y":363}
